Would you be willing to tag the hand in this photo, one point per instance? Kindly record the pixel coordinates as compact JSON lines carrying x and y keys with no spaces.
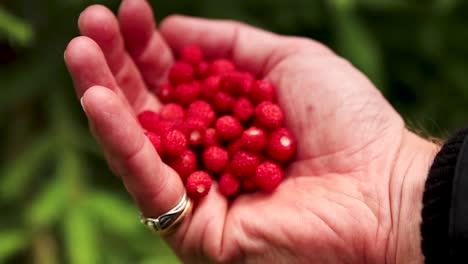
{"x":352,"y":196}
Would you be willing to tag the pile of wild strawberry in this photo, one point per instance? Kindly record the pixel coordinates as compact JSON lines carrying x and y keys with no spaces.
{"x":219,"y":123}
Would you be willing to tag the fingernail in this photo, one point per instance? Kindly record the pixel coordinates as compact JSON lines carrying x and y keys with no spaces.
{"x":83,"y":106}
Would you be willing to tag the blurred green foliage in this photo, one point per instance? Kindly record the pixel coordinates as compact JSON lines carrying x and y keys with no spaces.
{"x":60,"y":203}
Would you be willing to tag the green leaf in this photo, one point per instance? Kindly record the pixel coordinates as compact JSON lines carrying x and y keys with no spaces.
{"x":80,"y":237}
{"x":17,"y":174}
{"x":105,"y":207}
{"x":48,"y":206}
{"x":15,"y":29}
{"x":11,"y":242}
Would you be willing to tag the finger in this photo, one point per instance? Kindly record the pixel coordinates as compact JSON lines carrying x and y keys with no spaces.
{"x":155,"y":187}
{"x":250,"y":48}
{"x":144,"y":43}
{"x":87,"y":65}
{"x":99,"y":23}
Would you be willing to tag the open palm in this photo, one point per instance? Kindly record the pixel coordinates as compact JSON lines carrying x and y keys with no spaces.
{"x":339,"y":202}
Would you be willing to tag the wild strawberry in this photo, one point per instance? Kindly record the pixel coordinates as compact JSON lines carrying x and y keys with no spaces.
{"x":198,"y":184}
{"x":215,"y":159}
{"x":229,"y":185}
{"x":223,"y":102}
{"x":174,"y":142}
{"x":243,"y":109}
{"x":187,"y":93}
{"x":211,"y":138}
{"x":172,"y":111}
{"x":244,"y":164}
{"x":191,"y":54}
{"x":185,"y":164}
{"x":149,"y":120}
{"x":269,"y":115}
{"x":201,"y":69}
{"x":203,"y":111}
{"x":166,"y":93}
{"x":220,"y":66}
{"x":235,"y":83}
{"x":209,"y":87}
{"x":228,"y":128}
{"x":262,"y":90}
{"x":196,"y":131}
{"x":268,"y":176}
{"x":181,"y":72}
{"x":281,"y":146}
{"x":254,"y":140}
{"x":164,"y":126}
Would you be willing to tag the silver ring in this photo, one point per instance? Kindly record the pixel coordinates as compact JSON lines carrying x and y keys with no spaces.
{"x":164,"y":221}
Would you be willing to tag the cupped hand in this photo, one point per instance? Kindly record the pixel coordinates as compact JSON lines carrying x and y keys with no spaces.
{"x":352,"y":195}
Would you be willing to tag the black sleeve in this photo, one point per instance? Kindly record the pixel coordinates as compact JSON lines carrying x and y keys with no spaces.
{"x":444,"y":227}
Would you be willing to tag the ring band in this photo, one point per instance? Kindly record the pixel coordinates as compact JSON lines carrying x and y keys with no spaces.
{"x":172,"y":227}
{"x":167,"y":222}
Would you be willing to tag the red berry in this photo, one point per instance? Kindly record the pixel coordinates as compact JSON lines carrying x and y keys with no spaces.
{"x":229,"y":185}
{"x":228,"y":127}
{"x":203,"y":111}
{"x":249,"y":184}
{"x":191,"y":54}
{"x":149,"y":120}
{"x":254,"y":140}
{"x":282,"y":145}
{"x":209,"y":87}
{"x":201,"y":69}
{"x":211,"y":138}
{"x":269,"y":115}
{"x":236,"y":83}
{"x":198,"y":184}
{"x":165,"y":93}
{"x":234,"y":146}
{"x":220,"y":66}
{"x":243,"y":109}
{"x":262,"y":90}
{"x":156,"y":141}
{"x":223,"y":102}
{"x":244,"y":164}
{"x":185,"y":164}
{"x":172,"y":111}
{"x":196,"y":131}
{"x":215,"y":159}
{"x":174,"y":142}
{"x":164,"y":126}
{"x":250,"y":79}
{"x":181,"y":72}
{"x":186,"y":93}
{"x":268,"y":176}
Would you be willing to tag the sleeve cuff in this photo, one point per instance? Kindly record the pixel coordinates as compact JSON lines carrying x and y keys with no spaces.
{"x":437,"y":227}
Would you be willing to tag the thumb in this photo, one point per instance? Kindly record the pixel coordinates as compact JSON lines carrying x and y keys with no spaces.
{"x":251,"y":49}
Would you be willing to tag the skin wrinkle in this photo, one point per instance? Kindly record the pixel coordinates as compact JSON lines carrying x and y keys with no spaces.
{"x":405,"y":178}
{"x":255,"y":240}
{"x":330,"y":228}
{"x":362,"y":247}
{"x":392,"y":208}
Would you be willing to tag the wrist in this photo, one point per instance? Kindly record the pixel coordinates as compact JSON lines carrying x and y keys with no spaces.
{"x":407,"y":186}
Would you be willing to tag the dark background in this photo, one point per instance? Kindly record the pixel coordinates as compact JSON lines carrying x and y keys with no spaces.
{"x":58,"y":201}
